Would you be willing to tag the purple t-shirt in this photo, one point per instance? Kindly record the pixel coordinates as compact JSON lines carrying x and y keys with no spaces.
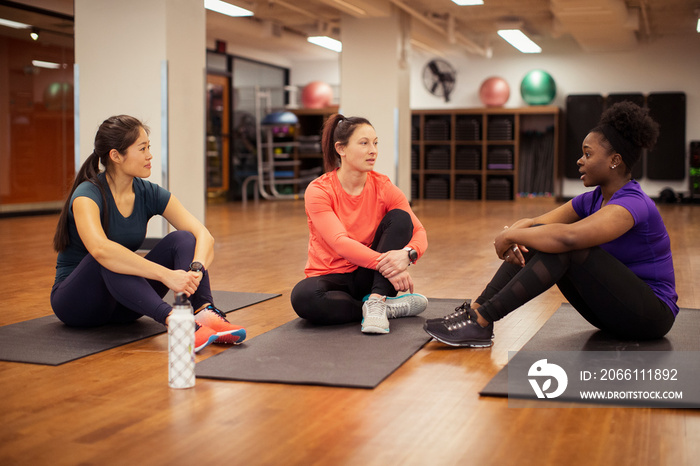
{"x":646,"y":248}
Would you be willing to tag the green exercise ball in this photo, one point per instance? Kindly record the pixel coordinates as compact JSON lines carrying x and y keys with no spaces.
{"x":538,"y":88}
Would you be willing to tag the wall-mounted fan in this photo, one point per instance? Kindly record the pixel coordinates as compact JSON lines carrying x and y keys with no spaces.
{"x":439,"y":78}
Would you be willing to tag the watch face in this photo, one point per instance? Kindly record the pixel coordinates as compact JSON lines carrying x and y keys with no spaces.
{"x":196,"y":266}
{"x":413,"y":255}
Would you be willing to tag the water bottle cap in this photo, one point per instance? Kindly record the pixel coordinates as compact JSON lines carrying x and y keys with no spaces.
{"x":180,"y":299}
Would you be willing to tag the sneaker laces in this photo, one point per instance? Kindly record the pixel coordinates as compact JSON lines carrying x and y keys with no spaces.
{"x":398,"y":310}
{"x":462,"y":318}
{"x":216,"y":311}
{"x":375,"y":308}
{"x":459,"y":311}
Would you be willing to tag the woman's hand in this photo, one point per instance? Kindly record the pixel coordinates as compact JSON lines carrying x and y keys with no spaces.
{"x":392,"y":263}
{"x":402,"y":281}
{"x":198,"y":276}
{"x":508,"y":250}
{"x":182,"y":281}
{"x":514,"y":255}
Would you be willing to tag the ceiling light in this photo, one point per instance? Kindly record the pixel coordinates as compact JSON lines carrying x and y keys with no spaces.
{"x":698,"y":28}
{"x":13,"y":24}
{"x":327,"y":42}
{"x":468,"y":2}
{"x":520,"y":41}
{"x":226,"y":8}
{"x":34,"y":34}
{"x":46,"y":64}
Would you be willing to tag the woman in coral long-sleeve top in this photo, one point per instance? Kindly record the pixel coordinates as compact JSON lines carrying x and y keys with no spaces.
{"x":363,"y":236}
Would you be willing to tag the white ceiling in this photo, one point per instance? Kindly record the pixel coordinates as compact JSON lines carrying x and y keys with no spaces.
{"x":280,"y":26}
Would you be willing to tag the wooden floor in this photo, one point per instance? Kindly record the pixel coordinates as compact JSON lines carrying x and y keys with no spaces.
{"x":116,"y":408}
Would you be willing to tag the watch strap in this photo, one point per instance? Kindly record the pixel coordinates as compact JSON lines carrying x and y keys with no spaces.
{"x":412,"y":254}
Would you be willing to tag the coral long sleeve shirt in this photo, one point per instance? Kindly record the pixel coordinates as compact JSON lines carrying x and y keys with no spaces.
{"x":342,"y":226}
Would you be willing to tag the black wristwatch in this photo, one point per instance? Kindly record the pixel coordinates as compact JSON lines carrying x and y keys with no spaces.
{"x":197,"y":267}
{"x":412,"y":255}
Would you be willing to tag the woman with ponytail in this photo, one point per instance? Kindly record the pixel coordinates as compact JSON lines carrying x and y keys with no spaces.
{"x":100,"y":279}
{"x":363,"y":235}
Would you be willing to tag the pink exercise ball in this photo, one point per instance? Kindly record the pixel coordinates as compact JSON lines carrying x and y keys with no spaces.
{"x":494,"y":92}
{"x":317,"y":94}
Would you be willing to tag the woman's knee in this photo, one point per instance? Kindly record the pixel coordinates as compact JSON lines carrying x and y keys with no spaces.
{"x":181,"y":238}
{"x":399,"y":218}
{"x":396,"y":227}
{"x":299,"y":297}
{"x":295,"y":297}
{"x":175,"y":250}
{"x":305,"y":301}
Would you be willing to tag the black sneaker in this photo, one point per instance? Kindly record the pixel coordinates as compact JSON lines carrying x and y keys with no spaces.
{"x":462,"y":330}
{"x":459,"y":311}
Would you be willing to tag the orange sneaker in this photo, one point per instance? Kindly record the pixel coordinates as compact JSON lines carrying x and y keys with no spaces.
{"x":226,"y":332}
{"x":203,"y":337}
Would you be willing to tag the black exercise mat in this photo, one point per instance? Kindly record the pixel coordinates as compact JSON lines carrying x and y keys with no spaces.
{"x":566,"y":331}
{"x":47,"y":340}
{"x":340,"y":355}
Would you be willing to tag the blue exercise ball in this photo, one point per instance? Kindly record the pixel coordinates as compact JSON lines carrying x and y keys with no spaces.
{"x":280,"y":118}
{"x":538,"y":88}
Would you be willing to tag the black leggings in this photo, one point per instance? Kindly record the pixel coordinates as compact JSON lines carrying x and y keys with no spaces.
{"x":600,"y":287}
{"x":92,"y":295}
{"x":336,"y":298}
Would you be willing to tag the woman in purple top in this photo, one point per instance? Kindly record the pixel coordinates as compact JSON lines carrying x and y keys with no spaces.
{"x":607,"y":250}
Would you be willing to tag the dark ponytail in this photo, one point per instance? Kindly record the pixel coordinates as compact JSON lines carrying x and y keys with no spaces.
{"x":117,"y":132}
{"x":337,"y":128}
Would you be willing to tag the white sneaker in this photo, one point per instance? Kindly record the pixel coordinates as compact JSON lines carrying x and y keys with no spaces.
{"x":374,"y":318}
{"x":406,"y":305}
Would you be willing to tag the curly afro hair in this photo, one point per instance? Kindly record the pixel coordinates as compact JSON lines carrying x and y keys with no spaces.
{"x":633,"y":123}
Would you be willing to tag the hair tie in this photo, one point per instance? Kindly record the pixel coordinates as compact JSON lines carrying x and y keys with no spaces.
{"x":620,"y":144}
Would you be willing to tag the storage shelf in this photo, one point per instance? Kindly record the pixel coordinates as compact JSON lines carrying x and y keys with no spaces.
{"x":453,"y":150}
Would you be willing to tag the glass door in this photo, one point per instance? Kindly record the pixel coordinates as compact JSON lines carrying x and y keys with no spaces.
{"x":36,"y":112}
{"x":218,"y":136}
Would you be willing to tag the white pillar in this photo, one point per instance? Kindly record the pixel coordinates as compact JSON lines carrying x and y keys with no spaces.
{"x":375,"y":85}
{"x":147,"y":59}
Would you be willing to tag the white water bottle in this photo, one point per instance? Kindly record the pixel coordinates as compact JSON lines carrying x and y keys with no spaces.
{"x":181,"y":344}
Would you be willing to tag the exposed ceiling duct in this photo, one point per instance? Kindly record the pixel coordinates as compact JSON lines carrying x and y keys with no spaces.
{"x":597,"y":25}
